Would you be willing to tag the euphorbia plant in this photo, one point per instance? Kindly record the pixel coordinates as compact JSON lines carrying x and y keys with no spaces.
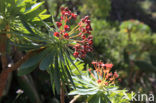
{"x":20,"y":22}
{"x":54,"y":49}
{"x":60,"y":46}
{"x":100,"y":85}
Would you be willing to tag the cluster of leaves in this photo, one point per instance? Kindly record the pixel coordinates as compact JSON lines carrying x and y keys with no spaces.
{"x":109,"y":43}
{"x":101,"y":11}
{"x":17,"y":11}
{"x":140,"y":44}
{"x":94,"y":93}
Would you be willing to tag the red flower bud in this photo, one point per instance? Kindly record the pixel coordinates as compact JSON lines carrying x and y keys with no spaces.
{"x":89,"y":70}
{"x":62,"y":8}
{"x":77,"y":46}
{"x":83,"y":55}
{"x":76,"y":54}
{"x":58,"y":24}
{"x":119,"y":80}
{"x":106,"y":83}
{"x":74,"y":16}
{"x":110,"y":74}
{"x":86,"y":17}
{"x":90,"y":37}
{"x":66,"y":27}
{"x":63,"y":12}
{"x":88,"y":32}
{"x":66,"y":9}
{"x":61,"y":18}
{"x":99,"y":81}
{"x":83,"y":37}
{"x":93,"y":62}
{"x":88,"y":27}
{"x":83,"y":30}
{"x":88,"y":22}
{"x":116,"y":75}
{"x":56,"y":34}
{"x":83,"y":52}
{"x":90,"y":42}
{"x":66,"y":35}
{"x":83,"y":20}
{"x":109,"y":65}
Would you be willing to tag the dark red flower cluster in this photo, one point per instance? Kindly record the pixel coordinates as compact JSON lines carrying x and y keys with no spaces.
{"x":84,"y":46}
{"x":87,"y":29}
{"x":80,"y":34}
{"x":105,"y":77}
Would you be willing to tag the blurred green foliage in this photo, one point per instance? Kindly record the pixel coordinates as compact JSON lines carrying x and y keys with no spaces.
{"x":131,"y":47}
{"x":96,"y":8}
{"x":108,"y":42}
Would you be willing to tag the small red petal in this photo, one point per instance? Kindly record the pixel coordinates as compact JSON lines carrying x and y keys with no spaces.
{"x":116,"y":75}
{"x":66,"y":35}
{"x":74,"y":16}
{"x":99,"y":81}
{"x":109,"y":65}
{"x":58,"y":24}
{"x":56,"y":34}
{"x":76,"y":54}
{"x":66,"y":27}
{"x":89,"y":70}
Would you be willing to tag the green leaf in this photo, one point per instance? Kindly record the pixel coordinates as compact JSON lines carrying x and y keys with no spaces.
{"x":85,"y":91}
{"x":56,"y":76}
{"x":68,"y":55}
{"x":79,"y":65}
{"x":69,"y":75}
{"x":98,"y":98}
{"x":50,"y":71}
{"x":44,"y":65}
{"x":55,"y":23}
{"x":33,"y":7}
{"x":24,"y":71}
{"x":42,"y":17}
{"x":64,"y":68}
{"x":26,"y":25}
{"x":32,"y":62}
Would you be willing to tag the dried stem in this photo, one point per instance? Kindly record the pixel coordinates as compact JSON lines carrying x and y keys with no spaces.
{"x":3,"y":45}
{"x":75,"y":98}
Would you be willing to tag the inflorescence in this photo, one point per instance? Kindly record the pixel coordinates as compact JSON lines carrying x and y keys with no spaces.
{"x":104,"y":76}
{"x":80,"y":34}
